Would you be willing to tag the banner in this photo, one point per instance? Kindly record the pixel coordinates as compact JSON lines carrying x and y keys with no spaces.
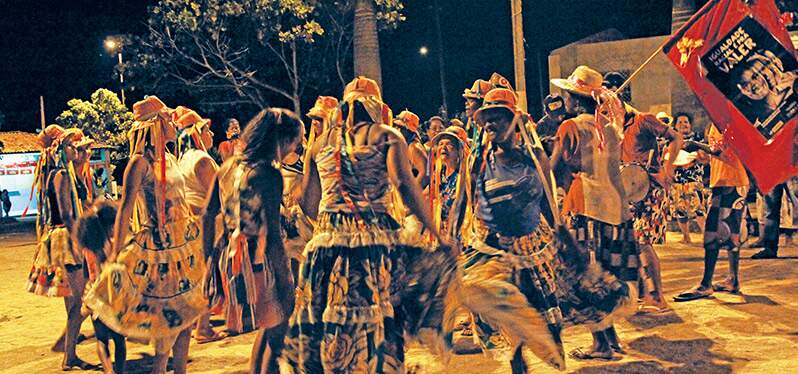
{"x":738,"y":59}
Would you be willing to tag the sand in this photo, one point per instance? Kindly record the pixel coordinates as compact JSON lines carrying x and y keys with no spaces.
{"x":753,"y":333}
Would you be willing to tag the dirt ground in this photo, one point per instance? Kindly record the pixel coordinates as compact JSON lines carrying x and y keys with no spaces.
{"x":756,"y":332}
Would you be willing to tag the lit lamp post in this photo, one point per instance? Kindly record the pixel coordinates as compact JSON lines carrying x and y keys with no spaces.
{"x":114,"y":46}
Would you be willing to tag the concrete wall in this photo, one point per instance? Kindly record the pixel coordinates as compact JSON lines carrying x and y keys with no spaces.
{"x":659,"y":87}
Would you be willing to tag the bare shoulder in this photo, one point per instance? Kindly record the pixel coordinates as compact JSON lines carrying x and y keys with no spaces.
{"x":386,"y":134}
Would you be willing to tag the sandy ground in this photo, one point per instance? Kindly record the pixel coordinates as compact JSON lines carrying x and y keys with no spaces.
{"x":753,"y":333}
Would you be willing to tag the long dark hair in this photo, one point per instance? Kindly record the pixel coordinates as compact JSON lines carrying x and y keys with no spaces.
{"x":95,"y":227}
{"x":268,"y":129}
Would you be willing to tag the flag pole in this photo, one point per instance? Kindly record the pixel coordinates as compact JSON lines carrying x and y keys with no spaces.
{"x":668,"y":43}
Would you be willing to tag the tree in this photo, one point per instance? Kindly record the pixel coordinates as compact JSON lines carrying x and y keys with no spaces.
{"x":103,"y":118}
{"x":250,"y":52}
{"x":366,"y":41}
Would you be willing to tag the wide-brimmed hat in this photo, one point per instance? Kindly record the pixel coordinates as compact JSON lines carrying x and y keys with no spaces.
{"x":408,"y":119}
{"x":498,"y":98}
{"x":583,"y":81}
{"x":458,"y":134}
{"x":499,"y":81}
{"x":190,"y":118}
{"x":49,"y":135}
{"x":362,"y":86}
{"x":477,"y":90}
{"x":665,"y":118}
{"x":148,"y":108}
{"x":323,"y":107}
{"x":75,"y":137}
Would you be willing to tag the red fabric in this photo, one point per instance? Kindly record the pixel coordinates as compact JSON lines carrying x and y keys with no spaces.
{"x":710,"y":25}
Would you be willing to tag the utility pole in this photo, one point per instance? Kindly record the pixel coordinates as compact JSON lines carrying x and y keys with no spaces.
{"x":441,"y":65}
{"x":518,"y":52}
{"x":121,"y":76}
{"x":41,"y":110}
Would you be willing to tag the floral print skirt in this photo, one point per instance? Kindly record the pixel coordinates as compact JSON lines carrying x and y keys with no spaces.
{"x":49,"y":274}
{"x":360,"y":290}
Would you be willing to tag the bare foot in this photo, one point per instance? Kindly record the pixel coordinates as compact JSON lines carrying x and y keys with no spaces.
{"x":686,"y":240}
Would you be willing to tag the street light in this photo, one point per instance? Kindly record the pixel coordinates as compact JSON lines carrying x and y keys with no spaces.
{"x":113,"y":45}
{"x":423,"y":50}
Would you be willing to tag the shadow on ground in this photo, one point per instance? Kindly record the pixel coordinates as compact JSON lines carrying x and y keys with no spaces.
{"x":686,"y":356}
{"x":650,"y":321}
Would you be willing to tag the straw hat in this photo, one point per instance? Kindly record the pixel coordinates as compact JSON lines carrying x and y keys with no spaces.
{"x":457,"y":134}
{"x":477,"y":90}
{"x":409,"y":120}
{"x":664,"y":118}
{"x":362,"y":86}
{"x":499,"y":81}
{"x":190,"y":118}
{"x":75,"y":137}
{"x":323,"y":107}
{"x":49,"y":135}
{"x":148,"y":108}
{"x":583,"y":81}
{"x":498,"y":98}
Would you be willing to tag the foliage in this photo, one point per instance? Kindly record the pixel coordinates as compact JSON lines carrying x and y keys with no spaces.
{"x":252,"y":52}
{"x":103,"y":118}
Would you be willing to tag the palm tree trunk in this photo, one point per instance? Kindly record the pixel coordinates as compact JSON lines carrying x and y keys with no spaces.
{"x":366,"y":41}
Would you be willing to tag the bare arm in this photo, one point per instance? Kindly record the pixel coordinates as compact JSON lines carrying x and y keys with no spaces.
{"x":401,"y":177}
{"x":419,"y":159}
{"x":205,"y":169}
{"x":213,"y":206}
{"x":311,"y":184}
{"x":271,"y":193}
{"x":62,"y":195}
{"x":674,"y":146}
{"x":132,"y":180}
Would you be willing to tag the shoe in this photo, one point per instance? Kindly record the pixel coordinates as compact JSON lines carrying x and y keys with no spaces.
{"x":693,"y":294}
{"x":764,"y":254}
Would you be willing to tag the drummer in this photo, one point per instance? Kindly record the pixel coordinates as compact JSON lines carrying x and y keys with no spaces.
{"x":688,"y":196}
{"x":639,"y":147}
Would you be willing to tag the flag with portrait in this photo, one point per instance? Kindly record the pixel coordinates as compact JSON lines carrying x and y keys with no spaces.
{"x":738,"y":59}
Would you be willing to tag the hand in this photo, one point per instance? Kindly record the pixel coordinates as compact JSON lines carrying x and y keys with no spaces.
{"x":664,"y":177}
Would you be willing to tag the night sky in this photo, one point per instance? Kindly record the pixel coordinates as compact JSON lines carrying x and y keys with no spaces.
{"x":54,"y":48}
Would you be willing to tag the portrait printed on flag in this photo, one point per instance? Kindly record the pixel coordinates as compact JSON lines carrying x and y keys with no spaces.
{"x":757,"y":74}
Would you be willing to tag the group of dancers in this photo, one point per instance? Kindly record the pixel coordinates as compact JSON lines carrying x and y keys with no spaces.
{"x":339,"y":244}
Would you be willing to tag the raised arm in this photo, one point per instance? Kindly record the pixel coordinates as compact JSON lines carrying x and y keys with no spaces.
{"x":311,"y":184}
{"x":401,"y":177}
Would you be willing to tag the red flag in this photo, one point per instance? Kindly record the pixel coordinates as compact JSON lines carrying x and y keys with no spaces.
{"x":741,"y":64}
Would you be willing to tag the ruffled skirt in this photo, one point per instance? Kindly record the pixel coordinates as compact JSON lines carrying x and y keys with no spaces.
{"x":153,"y":290}
{"x":49,"y":274}
{"x":361,"y":287}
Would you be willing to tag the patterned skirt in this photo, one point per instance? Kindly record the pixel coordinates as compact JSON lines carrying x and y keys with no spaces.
{"x":360,"y":290}
{"x":688,"y":200}
{"x":250,"y":289}
{"x":49,"y":274}
{"x":511,"y":283}
{"x":649,"y":216}
{"x":154,"y":290}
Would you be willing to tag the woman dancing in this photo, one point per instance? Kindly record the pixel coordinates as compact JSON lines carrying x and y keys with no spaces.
{"x":57,"y":269}
{"x":249,"y":188}
{"x":193,"y":142}
{"x":360,"y":288}
{"x":154,"y":290}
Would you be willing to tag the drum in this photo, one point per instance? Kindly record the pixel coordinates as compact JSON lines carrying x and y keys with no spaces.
{"x":635,"y":182}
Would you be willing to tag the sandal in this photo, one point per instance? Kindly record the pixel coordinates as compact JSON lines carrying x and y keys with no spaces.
{"x":652,"y":309}
{"x":694,"y":294}
{"x":79,"y":365}
{"x":583,"y":355}
{"x":213,"y":338}
{"x":727,"y":287}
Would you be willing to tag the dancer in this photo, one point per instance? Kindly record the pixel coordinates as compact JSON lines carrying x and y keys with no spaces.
{"x":434,"y":125}
{"x":249,"y":188}
{"x":154,"y":290}
{"x":407,"y":122}
{"x":361,"y":288}
{"x":447,"y":160}
{"x":509,"y":278}
{"x":93,"y":233}
{"x":198,"y":168}
{"x":639,"y":147}
{"x":688,"y":198}
{"x":729,"y":183}
{"x":595,"y":206}
{"x":57,"y":269}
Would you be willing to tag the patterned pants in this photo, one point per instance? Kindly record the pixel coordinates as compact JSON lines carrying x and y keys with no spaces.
{"x":725,"y":217}
{"x":649,"y":225}
{"x":687,"y":201}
